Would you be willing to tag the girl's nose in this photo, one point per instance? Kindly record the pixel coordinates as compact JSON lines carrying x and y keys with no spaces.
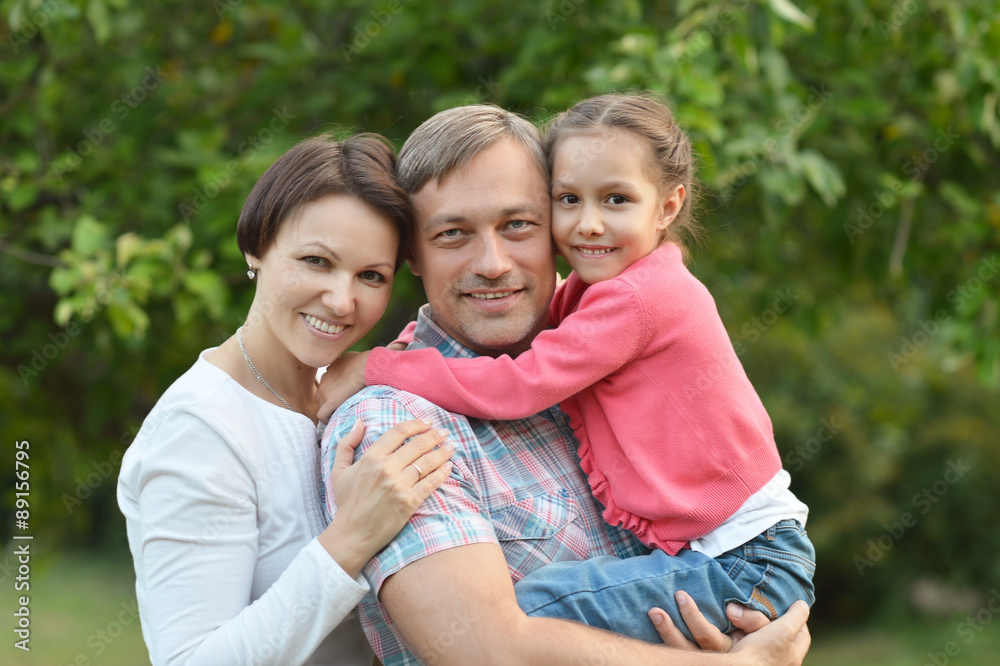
{"x":590,"y":222}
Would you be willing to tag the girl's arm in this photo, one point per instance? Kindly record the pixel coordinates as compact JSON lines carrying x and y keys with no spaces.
{"x":346,"y":376}
{"x":605,"y":332}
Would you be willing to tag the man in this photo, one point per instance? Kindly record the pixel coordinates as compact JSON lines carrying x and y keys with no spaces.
{"x":516,"y":499}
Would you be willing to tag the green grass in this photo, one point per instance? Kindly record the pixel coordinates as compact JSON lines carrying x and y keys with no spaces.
{"x":909,"y":643}
{"x":82,"y":613}
{"x":82,"y":603}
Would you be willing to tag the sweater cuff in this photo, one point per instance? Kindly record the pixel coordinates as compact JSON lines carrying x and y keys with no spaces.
{"x":378,"y":367}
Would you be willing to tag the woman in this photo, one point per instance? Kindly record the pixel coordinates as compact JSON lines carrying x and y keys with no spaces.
{"x":220,"y":489}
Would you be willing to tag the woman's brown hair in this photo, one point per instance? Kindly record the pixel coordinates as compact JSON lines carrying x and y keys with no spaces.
{"x":362,"y":166}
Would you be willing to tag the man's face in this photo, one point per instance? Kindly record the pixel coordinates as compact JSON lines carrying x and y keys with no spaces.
{"x":484,"y":250}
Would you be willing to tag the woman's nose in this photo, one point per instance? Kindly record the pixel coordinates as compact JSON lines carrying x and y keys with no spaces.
{"x":339,"y":298}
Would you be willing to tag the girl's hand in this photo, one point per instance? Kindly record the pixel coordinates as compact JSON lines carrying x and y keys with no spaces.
{"x":343,"y":378}
{"x":378,"y":494}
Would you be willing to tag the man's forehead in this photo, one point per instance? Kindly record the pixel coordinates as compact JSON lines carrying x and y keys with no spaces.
{"x":501,"y":182}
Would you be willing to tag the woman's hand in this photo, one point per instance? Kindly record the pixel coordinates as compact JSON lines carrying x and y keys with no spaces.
{"x":343,"y":378}
{"x":378,"y":494}
{"x":783,"y":642}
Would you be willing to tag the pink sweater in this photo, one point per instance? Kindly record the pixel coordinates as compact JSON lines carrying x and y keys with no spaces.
{"x":673,"y":437}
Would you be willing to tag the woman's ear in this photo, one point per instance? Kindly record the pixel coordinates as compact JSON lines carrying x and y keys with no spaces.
{"x":670,"y":206}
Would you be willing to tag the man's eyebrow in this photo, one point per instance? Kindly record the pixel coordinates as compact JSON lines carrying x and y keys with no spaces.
{"x":448,"y":219}
{"x":528,"y":209}
{"x":444,"y":220}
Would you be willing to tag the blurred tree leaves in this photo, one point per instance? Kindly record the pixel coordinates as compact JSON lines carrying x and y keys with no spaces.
{"x":849,"y":154}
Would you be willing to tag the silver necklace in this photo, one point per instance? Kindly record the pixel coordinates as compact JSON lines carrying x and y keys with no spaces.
{"x":239,"y":338}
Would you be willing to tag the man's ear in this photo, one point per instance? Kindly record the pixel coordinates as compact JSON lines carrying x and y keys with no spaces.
{"x":670,"y":206}
{"x":411,"y":261}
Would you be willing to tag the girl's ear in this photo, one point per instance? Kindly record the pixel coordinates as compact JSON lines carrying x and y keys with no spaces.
{"x":670,"y":206}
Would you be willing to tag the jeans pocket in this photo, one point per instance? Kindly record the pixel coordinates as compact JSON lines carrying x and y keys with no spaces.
{"x":753,"y":579}
{"x":786,"y":550}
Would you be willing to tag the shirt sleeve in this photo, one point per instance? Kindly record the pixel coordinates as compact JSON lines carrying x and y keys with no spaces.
{"x":602,"y":335}
{"x":454,"y":515}
{"x":197,"y":518}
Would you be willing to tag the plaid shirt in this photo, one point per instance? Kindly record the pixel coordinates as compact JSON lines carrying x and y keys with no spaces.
{"x":514,"y":483}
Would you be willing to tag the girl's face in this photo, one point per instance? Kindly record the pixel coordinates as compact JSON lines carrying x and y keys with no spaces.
{"x":607,"y":211}
{"x":325,"y":280}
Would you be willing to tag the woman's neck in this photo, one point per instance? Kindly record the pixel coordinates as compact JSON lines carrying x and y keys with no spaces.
{"x":286,"y":376}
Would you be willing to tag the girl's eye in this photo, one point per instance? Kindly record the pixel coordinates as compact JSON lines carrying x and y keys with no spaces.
{"x":569,"y":199}
{"x":372,"y":276}
{"x":617,"y":199}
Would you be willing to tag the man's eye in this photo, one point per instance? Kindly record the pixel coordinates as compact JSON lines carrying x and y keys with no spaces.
{"x":617,"y":199}
{"x":518,"y":224}
{"x":449,"y":233}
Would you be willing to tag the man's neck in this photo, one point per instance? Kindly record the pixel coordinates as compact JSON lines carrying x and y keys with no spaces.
{"x":492,"y":352}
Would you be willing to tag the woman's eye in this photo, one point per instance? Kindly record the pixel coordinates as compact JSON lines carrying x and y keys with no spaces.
{"x":617,"y":199}
{"x":315,"y":261}
{"x":372,"y":276}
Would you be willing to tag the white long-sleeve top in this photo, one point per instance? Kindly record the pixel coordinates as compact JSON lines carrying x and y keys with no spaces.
{"x":221,"y":495}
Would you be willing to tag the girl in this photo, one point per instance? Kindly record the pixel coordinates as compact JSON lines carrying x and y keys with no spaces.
{"x":674,"y":439}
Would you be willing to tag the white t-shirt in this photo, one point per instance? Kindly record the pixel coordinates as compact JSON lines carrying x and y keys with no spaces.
{"x":222,"y":499}
{"x":764,"y":508}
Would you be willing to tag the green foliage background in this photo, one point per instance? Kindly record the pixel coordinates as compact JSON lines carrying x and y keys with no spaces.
{"x":849,"y":153}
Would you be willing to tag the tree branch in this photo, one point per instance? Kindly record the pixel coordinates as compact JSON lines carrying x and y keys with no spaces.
{"x":29,"y":256}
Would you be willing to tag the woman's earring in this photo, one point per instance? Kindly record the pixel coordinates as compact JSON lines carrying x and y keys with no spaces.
{"x":252,"y":273}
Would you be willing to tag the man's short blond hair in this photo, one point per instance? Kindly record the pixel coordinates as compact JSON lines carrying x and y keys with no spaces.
{"x":451,"y":139}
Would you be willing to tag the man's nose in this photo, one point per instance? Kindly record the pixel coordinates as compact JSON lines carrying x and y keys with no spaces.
{"x":492,"y":259}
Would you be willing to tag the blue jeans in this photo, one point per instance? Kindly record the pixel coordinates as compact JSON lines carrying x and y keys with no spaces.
{"x":768,"y":573}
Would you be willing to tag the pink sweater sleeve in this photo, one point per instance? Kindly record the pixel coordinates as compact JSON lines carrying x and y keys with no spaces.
{"x":603,"y":334}
{"x":406,"y":335}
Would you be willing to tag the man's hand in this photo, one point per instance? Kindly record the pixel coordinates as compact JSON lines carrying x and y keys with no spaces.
{"x":344,"y":378}
{"x":785,"y":641}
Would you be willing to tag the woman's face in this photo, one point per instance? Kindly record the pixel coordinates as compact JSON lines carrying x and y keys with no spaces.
{"x":326,"y":279}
